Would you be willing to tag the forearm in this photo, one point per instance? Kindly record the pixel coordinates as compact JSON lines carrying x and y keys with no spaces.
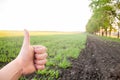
{"x":11,"y":71}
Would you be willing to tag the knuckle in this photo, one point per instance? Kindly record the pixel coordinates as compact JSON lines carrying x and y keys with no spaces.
{"x":41,"y":67}
{"x":44,"y":62}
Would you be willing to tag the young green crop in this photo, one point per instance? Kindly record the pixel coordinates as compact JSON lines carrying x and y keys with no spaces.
{"x":60,"y":49}
{"x":64,"y":63}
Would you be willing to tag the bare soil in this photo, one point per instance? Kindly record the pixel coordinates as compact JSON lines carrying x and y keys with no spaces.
{"x":100,"y":60}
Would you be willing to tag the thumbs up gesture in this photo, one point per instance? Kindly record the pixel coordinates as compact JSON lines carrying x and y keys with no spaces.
{"x":31,"y":58}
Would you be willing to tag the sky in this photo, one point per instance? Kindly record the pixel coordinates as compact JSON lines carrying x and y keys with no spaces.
{"x":44,"y":15}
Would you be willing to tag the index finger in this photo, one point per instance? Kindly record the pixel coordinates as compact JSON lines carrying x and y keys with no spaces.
{"x":40,"y":49}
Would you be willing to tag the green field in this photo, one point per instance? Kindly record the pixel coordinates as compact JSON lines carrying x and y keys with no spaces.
{"x":60,"y":48}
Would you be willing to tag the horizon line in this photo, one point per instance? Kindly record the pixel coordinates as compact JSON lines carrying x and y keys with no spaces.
{"x":40,"y":30}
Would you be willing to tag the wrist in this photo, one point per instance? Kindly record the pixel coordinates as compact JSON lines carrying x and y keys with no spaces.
{"x":19,"y":64}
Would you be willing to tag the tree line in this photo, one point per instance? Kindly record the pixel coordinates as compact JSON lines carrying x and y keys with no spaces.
{"x":105,"y":17}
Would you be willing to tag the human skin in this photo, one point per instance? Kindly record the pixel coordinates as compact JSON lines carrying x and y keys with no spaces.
{"x":30,"y":59}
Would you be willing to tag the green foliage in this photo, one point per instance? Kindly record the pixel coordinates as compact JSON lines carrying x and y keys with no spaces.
{"x":105,"y":13}
{"x":48,"y":74}
{"x":42,"y":72}
{"x":51,"y":62}
{"x":95,"y":4}
{"x":64,"y":63}
{"x":6,"y":53}
{"x":60,"y":49}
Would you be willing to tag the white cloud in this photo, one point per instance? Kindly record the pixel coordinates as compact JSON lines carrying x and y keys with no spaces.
{"x":60,"y":15}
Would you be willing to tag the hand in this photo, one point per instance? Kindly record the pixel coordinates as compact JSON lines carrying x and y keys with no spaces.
{"x":31,"y":58}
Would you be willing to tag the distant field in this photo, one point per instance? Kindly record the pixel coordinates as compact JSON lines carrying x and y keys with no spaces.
{"x":62,"y":46}
{"x":6,"y":33}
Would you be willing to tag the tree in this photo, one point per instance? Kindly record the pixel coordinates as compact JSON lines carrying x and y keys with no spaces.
{"x":104,"y":13}
{"x":117,"y":15}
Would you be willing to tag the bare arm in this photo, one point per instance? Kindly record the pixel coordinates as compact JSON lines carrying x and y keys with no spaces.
{"x":30,"y":59}
{"x":11,"y":71}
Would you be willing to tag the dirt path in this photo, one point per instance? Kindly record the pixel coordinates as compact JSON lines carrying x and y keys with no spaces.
{"x":99,"y":61}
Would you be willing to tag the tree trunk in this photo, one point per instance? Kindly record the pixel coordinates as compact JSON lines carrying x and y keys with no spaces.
{"x":110,"y":33}
{"x":106,"y":33}
{"x":102,"y":33}
{"x":118,"y":35}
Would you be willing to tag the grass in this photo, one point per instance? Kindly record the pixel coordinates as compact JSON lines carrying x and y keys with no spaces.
{"x":64,"y":63}
{"x":60,"y":48}
{"x":110,"y":39}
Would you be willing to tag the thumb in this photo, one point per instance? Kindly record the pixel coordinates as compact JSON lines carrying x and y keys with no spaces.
{"x":26,"y":41}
